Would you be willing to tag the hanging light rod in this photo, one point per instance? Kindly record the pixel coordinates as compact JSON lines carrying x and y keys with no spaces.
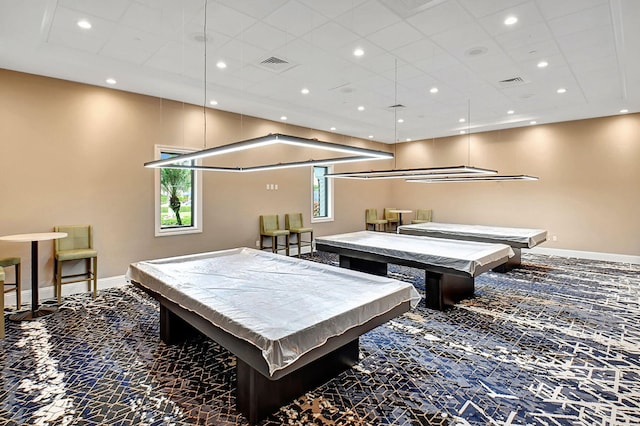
{"x":361,"y":154}
{"x":414,"y":173}
{"x":472,"y":179}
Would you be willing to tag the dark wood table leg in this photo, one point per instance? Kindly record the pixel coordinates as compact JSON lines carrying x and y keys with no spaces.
{"x":362,"y":265}
{"x":258,"y":397}
{"x":445,"y":290}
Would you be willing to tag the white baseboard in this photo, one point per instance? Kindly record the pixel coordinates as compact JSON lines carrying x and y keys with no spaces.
{"x":45,"y":293}
{"x":591,"y":255}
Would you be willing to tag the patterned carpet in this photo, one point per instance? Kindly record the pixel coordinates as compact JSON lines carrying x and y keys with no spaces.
{"x":556,"y":342}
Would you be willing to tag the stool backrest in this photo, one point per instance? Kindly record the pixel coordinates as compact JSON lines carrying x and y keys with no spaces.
{"x":293,"y":220}
{"x":371,"y":215}
{"x":78,"y":237}
{"x":269,"y":222}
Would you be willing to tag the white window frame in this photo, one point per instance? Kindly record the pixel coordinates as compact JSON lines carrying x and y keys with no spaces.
{"x":196,"y":215}
{"x":329,"y":187}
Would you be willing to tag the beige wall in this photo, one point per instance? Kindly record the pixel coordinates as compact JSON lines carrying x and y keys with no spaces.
{"x":588,"y":195}
{"x":73,"y":153}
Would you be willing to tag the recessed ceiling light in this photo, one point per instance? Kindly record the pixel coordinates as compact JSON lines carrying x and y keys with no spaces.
{"x":221,"y":64}
{"x":533,"y":122}
{"x":360,"y":108}
{"x":358,"y":52}
{"x":408,"y":139}
{"x":370,"y":136}
{"x":333,"y":128}
{"x":561,"y":90}
{"x":510,"y":20}
{"x":305,"y":91}
{"x":111,"y":81}
{"x":461,"y":120}
{"x":400,"y":120}
{"x":462,"y":132}
{"x":624,"y":111}
{"x":543,"y":64}
{"x":434,"y":90}
{"x":213,"y":102}
{"x":510,"y":112}
{"x":84,"y":24}
{"x":283,"y":118}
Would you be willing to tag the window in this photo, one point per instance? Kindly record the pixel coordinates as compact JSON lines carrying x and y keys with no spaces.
{"x":322,"y":188}
{"x":178,"y":206}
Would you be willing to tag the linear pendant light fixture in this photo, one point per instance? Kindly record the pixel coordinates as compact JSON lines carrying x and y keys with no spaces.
{"x":447,"y":179}
{"x":430,"y":172}
{"x":360,"y":154}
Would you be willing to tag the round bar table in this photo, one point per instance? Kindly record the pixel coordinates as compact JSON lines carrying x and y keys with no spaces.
{"x":400,"y":211}
{"x":36,"y":311}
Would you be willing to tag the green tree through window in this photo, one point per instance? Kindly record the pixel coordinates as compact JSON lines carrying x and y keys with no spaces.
{"x":320,"y":192}
{"x":176,"y":200}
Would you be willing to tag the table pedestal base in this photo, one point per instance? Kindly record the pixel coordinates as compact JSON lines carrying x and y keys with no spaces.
{"x":31,"y":315}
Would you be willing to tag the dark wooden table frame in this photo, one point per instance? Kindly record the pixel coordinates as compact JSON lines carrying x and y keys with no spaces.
{"x":443,"y":286}
{"x":258,"y":393}
{"x":513,"y":262}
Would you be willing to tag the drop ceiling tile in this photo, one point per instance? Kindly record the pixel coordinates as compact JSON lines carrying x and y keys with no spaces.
{"x":439,"y":61}
{"x":534,"y":51}
{"x":65,"y":31}
{"x":419,"y":50}
{"x":131,"y":45}
{"x":445,"y":16}
{"x":331,"y":36}
{"x":456,"y":40}
{"x":296,"y":18}
{"x":155,"y":20}
{"x":395,"y":36}
{"x":480,"y":9}
{"x":332,"y":8}
{"x":237,"y":52}
{"x":266,"y":36}
{"x":553,"y":8}
{"x":175,"y":58}
{"x":112,"y":10}
{"x":404,"y":72}
{"x":255,"y":8}
{"x":524,"y":38}
{"x":582,"y":21}
{"x":583,"y":46}
{"x":227,"y":20}
{"x":367,"y":18}
{"x":528,"y":20}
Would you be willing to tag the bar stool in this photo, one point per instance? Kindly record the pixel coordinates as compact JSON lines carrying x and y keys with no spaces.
{"x":294,"y":224}
{"x":6,"y":262}
{"x":371,"y":219}
{"x":77,"y":245}
{"x":270,"y":227}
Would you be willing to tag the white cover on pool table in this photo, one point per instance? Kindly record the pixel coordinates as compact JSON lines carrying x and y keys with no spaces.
{"x":463,"y":256}
{"x":284,"y":306}
{"x":525,"y":237}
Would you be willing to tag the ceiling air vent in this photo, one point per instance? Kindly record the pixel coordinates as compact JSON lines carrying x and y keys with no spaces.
{"x":276,"y":64}
{"x":512,"y":82}
{"x":406,"y":8}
